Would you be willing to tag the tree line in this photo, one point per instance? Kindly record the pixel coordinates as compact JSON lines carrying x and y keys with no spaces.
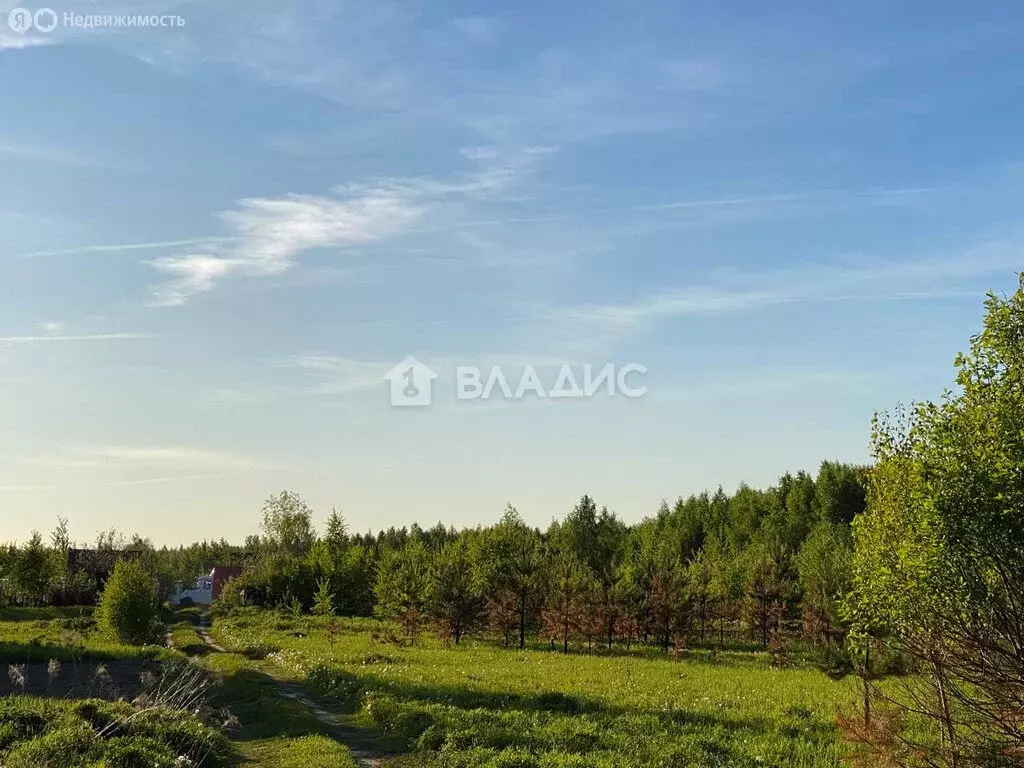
{"x":752,"y":564}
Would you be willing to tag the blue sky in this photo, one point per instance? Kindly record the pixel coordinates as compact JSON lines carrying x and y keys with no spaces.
{"x":218,"y":237}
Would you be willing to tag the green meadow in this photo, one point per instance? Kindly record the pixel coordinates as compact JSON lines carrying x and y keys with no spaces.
{"x":478,"y":704}
{"x":73,"y":697}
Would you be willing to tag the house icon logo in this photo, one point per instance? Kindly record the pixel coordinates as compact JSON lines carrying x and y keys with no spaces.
{"x":411,"y":382}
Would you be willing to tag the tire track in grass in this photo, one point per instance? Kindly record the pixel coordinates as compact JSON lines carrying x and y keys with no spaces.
{"x":367,"y":751}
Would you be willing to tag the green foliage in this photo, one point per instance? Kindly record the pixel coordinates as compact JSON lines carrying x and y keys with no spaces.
{"x":700,"y":576}
{"x":50,"y":732}
{"x":231,"y":597}
{"x":288,"y":524}
{"x":128,"y":608}
{"x":32,"y":570}
{"x":403,"y":579}
{"x":570,"y":583}
{"x":336,"y":535}
{"x":511,"y":564}
{"x":766,"y":586}
{"x":938,"y":570}
{"x":455,"y":598}
{"x":823,"y":567}
{"x":323,"y":601}
{"x":840,"y":492}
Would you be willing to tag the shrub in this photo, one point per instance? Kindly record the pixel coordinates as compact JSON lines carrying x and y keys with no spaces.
{"x":232,"y":597}
{"x":128,"y":606}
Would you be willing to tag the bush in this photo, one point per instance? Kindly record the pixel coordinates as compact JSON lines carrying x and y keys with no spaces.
{"x":128,"y":607}
{"x":232,"y":597}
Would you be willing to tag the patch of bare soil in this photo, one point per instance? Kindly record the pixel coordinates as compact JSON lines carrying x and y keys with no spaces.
{"x":111,"y":680}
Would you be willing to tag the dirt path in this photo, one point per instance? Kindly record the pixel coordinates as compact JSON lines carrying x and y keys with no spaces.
{"x":364,"y":746}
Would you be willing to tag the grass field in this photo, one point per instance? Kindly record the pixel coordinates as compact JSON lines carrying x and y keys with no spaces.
{"x":64,"y":725}
{"x":481,"y":705}
{"x":36,"y":635}
{"x":476,"y":704}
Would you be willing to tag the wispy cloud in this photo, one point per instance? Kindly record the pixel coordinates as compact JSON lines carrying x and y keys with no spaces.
{"x":339,"y":375}
{"x":70,"y":338}
{"x":18,"y":42}
{"x":118,"y":247}
{"x":734,"y":291}
{"x":676,"y":303}
{"x":311,"y":374}
{"x":269,"y":234}
{"x":164,"y":455}
{"x":845,"y":196}
{"x":146,"y":456}
{"x":163,"y":480}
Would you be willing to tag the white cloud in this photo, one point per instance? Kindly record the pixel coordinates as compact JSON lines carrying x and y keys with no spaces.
{"x":193,"y":274}
{"x":80,"y":337}
{"x":118,"y":247}
{"x":269,"y":234}
{"x":133,"y":456}
{"x":18,"y":42}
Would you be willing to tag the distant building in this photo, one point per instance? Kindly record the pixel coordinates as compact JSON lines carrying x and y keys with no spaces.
{"x":221,"y":575}
{"x":206,"y":589}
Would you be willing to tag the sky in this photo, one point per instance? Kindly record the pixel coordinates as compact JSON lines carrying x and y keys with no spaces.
{"x":219,"y":236}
